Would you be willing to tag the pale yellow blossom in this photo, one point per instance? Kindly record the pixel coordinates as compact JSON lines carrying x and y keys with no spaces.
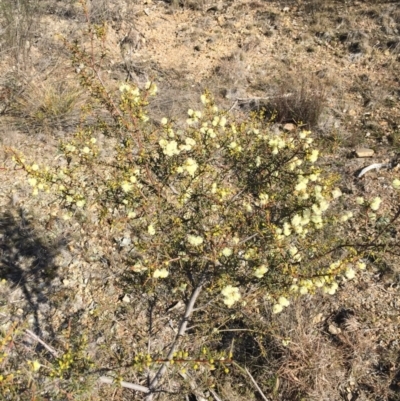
{"x":396,"y":183}
{"x":195,"y":240}
{"x":171,"y":148}
{"x":126,"y":186}
{"x":260,"y":271}
{"x":286,"y":229}
{"x":360,"y":200}
{"x":331,"y":289}
{"x":313,"y":157}
{"x":375,"y":203}
{"x":160,"y":273}
{"x":80,"y":203}
{"x":350,"y":273}
{"x":35,"y":365}
{"x":190,"y":142}
{"x":336,"y":193}
{"x":227,"y":252}
{"x":303,"y":290}
{"x":124,"y":88}
{"x":131,"y":214}
{"x":301,"y":186}
{"x":231,"y":295}
{"x":151,"y":230}
{"x":32,"y":181}
{"x":277,"y":308}
{"x":263,"y":199}
{"x":190,"y":166}
{"x":283,"y":301}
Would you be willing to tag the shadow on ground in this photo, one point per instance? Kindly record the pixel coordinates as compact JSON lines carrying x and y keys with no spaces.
{"x":27,"y":262}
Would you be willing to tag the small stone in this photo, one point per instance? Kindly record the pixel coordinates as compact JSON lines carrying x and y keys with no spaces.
{"x":333,"y":329}
{"x":289,"y":127}
{"x":318,"y":318}
{"x":364,"y":152}
{"x":126,"y":299}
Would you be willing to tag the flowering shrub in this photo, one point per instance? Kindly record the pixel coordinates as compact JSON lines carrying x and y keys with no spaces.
{"x":224,"y":203}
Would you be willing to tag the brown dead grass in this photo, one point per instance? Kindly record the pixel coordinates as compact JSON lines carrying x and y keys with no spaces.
{"x":47,"y":106}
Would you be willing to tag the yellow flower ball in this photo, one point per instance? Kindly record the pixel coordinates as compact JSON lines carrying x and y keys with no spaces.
{"x":260,"y":271}
{"x":151,"y":230}
{"x":277,"y":308}
{"x":375,"y":203}
{"x":195,"y":240}
{"x":396,"y":183}
{"x":160,"y":273}
{"x":283,"y":301}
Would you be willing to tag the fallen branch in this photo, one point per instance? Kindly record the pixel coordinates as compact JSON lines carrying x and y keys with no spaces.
{"x":376,"y":166}
{"x":132,"y":386}
{"x":39,"y":340}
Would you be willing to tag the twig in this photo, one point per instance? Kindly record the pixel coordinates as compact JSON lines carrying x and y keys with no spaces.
{"x":256,"y":385}
{"x":234,"y":105}
{"x":376,"y":166}
{"x":252,"y":379}
{"x":214,"y":394}
{"x":132,"y":386}
{"x":39,"y":340}
{"x":181,"y":332}
{"x":248,"y":238}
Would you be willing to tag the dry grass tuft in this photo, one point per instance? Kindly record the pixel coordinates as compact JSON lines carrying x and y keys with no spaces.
{"x":307,"y":362}
{"x":299,"y":101}
{"x":48,"y":106}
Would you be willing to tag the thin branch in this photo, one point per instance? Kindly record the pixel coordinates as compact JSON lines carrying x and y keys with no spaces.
{"x":132,"y":386}
{"x":233,"y":106}
{"x":214,"y":394}
{"x":248,"y":238}
{"x":39,"y":340}
{"x":252,"y":379}
{"x":376,"y":166}
{"x":181,"y":332}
